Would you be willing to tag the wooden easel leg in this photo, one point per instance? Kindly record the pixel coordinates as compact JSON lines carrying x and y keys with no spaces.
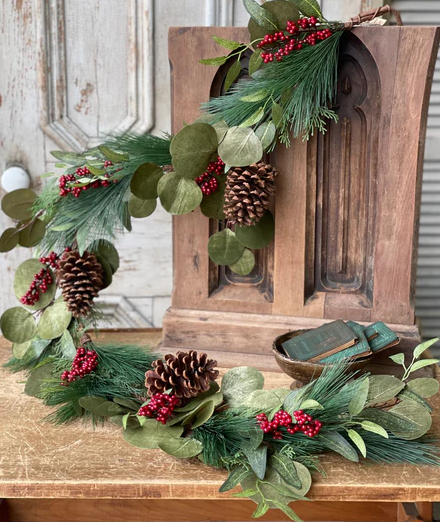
{"x":415,"y":511}
{"x":3,"y":510}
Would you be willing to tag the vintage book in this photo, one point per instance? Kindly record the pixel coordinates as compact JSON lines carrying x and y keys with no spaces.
{"x":360,"y":349}
{"x":321,"y":342}
{"x":384,"y":337}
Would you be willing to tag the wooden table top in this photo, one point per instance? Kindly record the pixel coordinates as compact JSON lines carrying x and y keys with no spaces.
{"x":40,"y":460}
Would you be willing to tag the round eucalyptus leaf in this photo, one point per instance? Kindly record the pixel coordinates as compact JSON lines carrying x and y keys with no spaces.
{"x":221,"y":128}
{"x":32,"y":234}
{"x":212,"y":205}
{"x":37,"y":378}
{"x":141,"y":208}
{"x":223,"y":248}
{"x":19,"y":349}
{"x":108,"y":251}
{"x":240,"y":147}
{"x":258,"y":235}
{"x":283,"y":12}
{"x":245,"y":264}
{"x":192,"y":149}
{"x":424,"y":386}
{"x":8,"y":240}
{"x":18,"y":325}
{"x":239,"y":382}
{"x":23,"y":278}
{"x":54,"y":321}
{"x":144,"y":181}
{"x":107,"y":271}
{"x":266,"y":133}
{"x":18,"y":204}
{"x":151,"y":433}
{"x":181,"y":448}
{"x":415,"y":413}
{"x":179,"y":195}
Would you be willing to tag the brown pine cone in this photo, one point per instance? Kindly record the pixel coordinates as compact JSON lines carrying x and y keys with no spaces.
{"x":186,"y":373}
{"x":248,"y":191}
{"x":80,"y":279}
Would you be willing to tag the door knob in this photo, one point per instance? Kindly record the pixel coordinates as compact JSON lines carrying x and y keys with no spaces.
{"x":15,"y":177}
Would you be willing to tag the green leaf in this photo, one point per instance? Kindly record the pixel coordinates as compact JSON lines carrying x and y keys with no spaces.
{"x":144,"y":182}
{"x":310,"y":404}
{"x":358,"y":441}
{"x":37,"y":378}
{"x":259,"y":95}
{"x":295,"y":397}
{"x":224,"y":249}
{"x":411,"y":396}
{"x":277,"y":114}
{"x":308,"y":8}
{"x":387,"y":420}
{"x":262,"y":17}
{"x":383,"y":388}
{"x":32,"y":234}
{"x":127,"y":403}
{"x":227,"y":44}
{"x":179,"y":195}
{"x":239,"y":382}
{"x":30,"y":350}
{"x":151,"y":433}
{"x":219,"y":60}
{"x":140,"y":208}
{"x":100,"y":406}
{"x":212,"y":205}
{"x":8,"y":240}
{"x":336,"y":442}
{"x":255,"y":61}
{"x":18,"y":204}
{"x":107,"y":271}
{"x":114,"y":157}
{"x":19,"y":349}
{"x":245,"y":493}
{"x":181,"y":448}
{"x":235,"y":477}
{"x":253,"y":118}
{"x":359,"y":399}
{"x":259,"y":235}
{"x":418,"y":350}
{"x":286,"y":510}
{"x":281,"y":10}
{"x":54,"y":321}
{"x":192,"y":149}
{"x":422,"y":363}
{"x":398,"y":358}
{"x":203,"y":415}
{"x":374,"y":428}
{"x":125,"y":419}
{"x":232,"y":75}
{"x":68,"y":347}
{"x":267,"y":401}
{"x":261,"y":510}
{"x":415,"y":413}
{"x":193,"y":403}
{"x":257,"y":458}
{"x":18,"y":325}
{"x":266,"y":133}
{"x":425,"y":386}
{"x":95,"y":170}
{"x":72,"y":158}
{"x":285,"y":467}
{"x":245,"y":264}
{"x":23,"y":277}
{"x":108,"y":251}
{"x":221,"y":128}
{"x":240,"y":147}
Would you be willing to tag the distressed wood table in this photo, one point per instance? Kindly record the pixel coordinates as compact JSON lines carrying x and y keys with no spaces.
{"x":74,"y":473}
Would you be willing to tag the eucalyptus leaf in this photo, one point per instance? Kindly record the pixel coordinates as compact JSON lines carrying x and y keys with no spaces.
{"x":18,"y":325}
{"x":415,"y":413}
{"x":285,"y":467}
{"x":203,"y":415}
{"x":232,"y":74}
{"x":181,"y":448}
{"x":287,"y":510}
{"x":239,"y":382}
{"x":36,"y":347}
{"x":141,"y":208}
{"x":100,"y":406}
{"x":388,"y":420}
{"x":398,"y":358}
{"x":36,"y":379}
{"x":19,"y":349}
{"x":32,"y":234}
{"x":336,"y":442}
{"x":68,"y":347}
{"x":113,"y":156}
{"x":359,"y":400}
{"x":266,"y":133}
{"x":54,"y":321}
{"x":18,"y":204}
{"x":240,"y":147}
{"x":267,"y":401}
{"x":212,"y":205}
{"x":257,"y":458}
{"x":259,"y":235}
{"x":221,"y":128}
{"x":192,"y":149}
{"x":245,"y":264}
{"x":310,"y":404}
{"x":281,"y":10}
{"x":108,"y":251}
{"x":255,"y":61}
{"x":193,"y":403}
{"x":144,"y":182}
{"x":411,"y":396}
{"x":219,"y":60}
{"x":253,"y":118}
{"x":358,"y":441}
{"x":227,"y":44}
{"x":374,"y":428}
{"x":383,"y":388}
{"x":234,"y":478}
{"x":72,"y":158}
{"x":8,"y":240}
{"x":259,"y":95}
{"x":179,"y":195}
{"x":309,"y":8}
{"x":419,"y":349}
{"x":107,"y":272}
{"x":131,"y":404}
{"x":23,"y":278}
{"x":422,"y":363}
{"x":277,"y":114}
{"x":295,"y":397}
{"x":424,"y":386}
{"x":151,"y":433}
{"x":261,"y":16}
{"x":224,"y":249}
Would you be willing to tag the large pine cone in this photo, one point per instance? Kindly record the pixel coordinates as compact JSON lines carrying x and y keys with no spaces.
{"x":80,"y":279}
{"x":187,"y":374}
{"x":248,"y":192}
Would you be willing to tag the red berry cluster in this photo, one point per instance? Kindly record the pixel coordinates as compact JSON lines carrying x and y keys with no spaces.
{"x":76,"y":178}
{"x":304,"y":423}
{"x":292,"y":40}
{"x":85,"y":362}
{"x":208,"y":181}
{"x":160,"y":407}
{"x":40,"y":283}
{"x":51,"y":259}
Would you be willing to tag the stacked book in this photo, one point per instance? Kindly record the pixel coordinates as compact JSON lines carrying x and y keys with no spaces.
{"x":338,"y":340}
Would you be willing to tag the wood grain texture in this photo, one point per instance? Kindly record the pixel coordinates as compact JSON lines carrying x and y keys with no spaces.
{"x":39,"y":460}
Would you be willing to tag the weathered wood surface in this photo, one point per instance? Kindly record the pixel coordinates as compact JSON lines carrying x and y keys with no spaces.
{"x":347,"y":205}
{"x":39,"y":460}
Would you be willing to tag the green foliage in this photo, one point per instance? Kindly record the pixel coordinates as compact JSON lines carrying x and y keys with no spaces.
{"x":24,"y":276}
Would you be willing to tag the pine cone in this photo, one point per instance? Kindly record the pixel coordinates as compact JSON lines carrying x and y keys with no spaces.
{"x":248,"y":192}
{"x":187,"y":374}
{"x":80,"y":278}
